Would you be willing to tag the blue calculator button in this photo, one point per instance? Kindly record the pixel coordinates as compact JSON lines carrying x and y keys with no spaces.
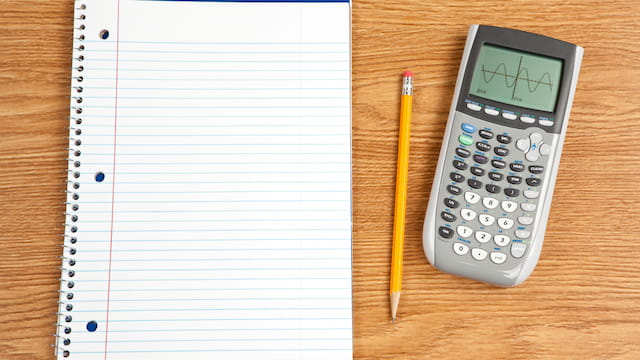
{"x":468,"y":128}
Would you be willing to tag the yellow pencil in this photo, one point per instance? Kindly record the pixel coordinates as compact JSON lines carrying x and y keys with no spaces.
{"x":402,"y":175}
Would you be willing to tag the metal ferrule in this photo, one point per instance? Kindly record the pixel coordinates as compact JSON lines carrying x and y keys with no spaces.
{"x":407,"y":86}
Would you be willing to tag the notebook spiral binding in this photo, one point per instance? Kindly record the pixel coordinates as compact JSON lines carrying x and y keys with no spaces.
{"x":66,"y":295}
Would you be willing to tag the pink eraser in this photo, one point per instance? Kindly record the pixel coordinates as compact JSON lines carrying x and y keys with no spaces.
{"x":408,"y":74}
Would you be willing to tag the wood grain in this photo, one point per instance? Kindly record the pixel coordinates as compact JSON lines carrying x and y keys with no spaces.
{"x":582,"y":301}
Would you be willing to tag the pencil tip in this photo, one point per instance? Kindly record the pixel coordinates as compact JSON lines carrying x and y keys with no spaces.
{"x":393,"y":320}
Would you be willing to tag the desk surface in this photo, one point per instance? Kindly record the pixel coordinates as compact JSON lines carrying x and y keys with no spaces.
{"x":582,"y":301}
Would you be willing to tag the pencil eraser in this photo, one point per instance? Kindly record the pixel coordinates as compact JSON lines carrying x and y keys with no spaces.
{"x":408,"y":74}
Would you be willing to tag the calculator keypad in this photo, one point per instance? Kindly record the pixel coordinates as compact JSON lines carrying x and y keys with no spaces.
{"x":491,"y":192}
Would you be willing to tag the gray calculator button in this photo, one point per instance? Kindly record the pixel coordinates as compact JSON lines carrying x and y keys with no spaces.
{"x":533,"y":181}
{"x":500,"y":151}
{"x":460,"y":248}
{"x":451,"y":203}
{"x":483,"y":146}
{"x":528,"y":207}
{"x":454,"y":190}
{"x":516,"y":167}
{"x":504,"y":139}
{"x":477,"y":171}
{"x":495,"y":176}
{"x":536,"y":169}
{"x":447,"y":216}
{"x":485,"y":134}
{"x":498,"y":257}
{"x":456,"y":177}
{"x":464,"y":153}
{"x":518,"y":249}
{"x":525,"y":220}
{"x":515,"y":180}
{"x":498,"y":164}
{"x":480,"y":159}
{"x":494,"y":189}
{"x":474,"y":183}
{"x":479,"y":254}
{"x":445,"y":232}
{"x":511,"y":192}
{"x":460,"y":165}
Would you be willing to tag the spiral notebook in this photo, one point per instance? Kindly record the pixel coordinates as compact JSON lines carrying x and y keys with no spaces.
{"x":209,"y":182}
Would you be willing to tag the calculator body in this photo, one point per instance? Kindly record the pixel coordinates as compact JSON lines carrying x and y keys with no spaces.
{"x":494,"y":181}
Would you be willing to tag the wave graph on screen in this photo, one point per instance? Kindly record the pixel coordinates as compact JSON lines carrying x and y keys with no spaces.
{"x":522,"y":74}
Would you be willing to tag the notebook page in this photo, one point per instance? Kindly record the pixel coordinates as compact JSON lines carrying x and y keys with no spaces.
{"x":222,"y":228}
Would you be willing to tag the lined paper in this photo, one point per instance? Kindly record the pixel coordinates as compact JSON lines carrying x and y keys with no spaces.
{"x":223,"y":226}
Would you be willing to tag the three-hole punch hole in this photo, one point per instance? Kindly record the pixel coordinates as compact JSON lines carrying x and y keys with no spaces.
{"x":104,"y":34}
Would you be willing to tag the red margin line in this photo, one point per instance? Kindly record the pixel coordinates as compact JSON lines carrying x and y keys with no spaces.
{"x":113,"y":180}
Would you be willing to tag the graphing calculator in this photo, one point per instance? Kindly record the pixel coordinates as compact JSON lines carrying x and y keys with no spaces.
{"x":498,"y":162}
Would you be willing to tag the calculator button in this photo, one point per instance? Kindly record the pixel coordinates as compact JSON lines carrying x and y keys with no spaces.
{"x":460,"y":249}
{"x":451,"y":203}
{"x":516,"y":167}
{"x":533,"y":181}
{"x":498,"y":164}
{"x":494,"y":189}
{"x":535,"y":138}
{"x":483,"y":236}
{"x":527,"y":119}
{"x":530,"y":194}
{"x":518,"y":249}
{"x":468,"y":214}
{"x":464,"y":153}
{"x":477,"y":171}
{"x":447,"y":216}
{"x":483,"y":146}
{"x":504,"y":139}
{"x":454,"y":190}
{"x":528,"y":207}
{"x":464,"y":231}
{"x":485,"y":134}
{"x":515,"y":180}
{"x":509,"y":116}
{"x":445,"y":232}
{"x":525,"y":220}
{"x":500,"y":151}
{"x":480,"y":159}
{"x":474,"y":183}
{"x":509,"y":206}
{"x":505,"y":223}
{"x":523,"y":144}
{"x":460,"y":165}
{"x":545,"y":122}
{"x":511,"y":192}
{"x":532,"y":155}
{"x":501,"y":240}
{"x":498,"y":257}
{"x":536,"y":169}
{"x":479,"y":254}
{"x":486,"y":220}
{"x":456,"y":177}
{"x":495,"y":176}
{"x":522,"y":234}
{"x":492,"y":112}
{"x":490,"y":203}
{"x":465,"y":139}
{"x":471,"y":197}
{"x":545,"y":149}
{"x":468,"y":128}
{"x":473,"y":107}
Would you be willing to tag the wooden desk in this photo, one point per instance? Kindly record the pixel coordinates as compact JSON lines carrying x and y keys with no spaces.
{"x":582,"y":301}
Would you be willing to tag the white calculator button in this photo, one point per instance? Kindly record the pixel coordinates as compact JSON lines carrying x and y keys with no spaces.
{"x":509,"y":206}
{"x":490,"y":203}
{"x":509,"y":116}
{"x":535,"y":138}
{"x":468,"y":214}
{"x":527,"y":119}
{"x":473,"y":107}
{"x":460,"y":249}
{"x":545,"y":149}
{"x":479,"y":254}
{"x":530,"y":194}
{"x":501,"y":240}
{"x":518,"y":249}
{"x":471,"y":197}
{"x":498,"y":257}
{"x":492,"y":112}
{"x":532,"y":155}
{"x":483,"y":236}
{"x":545,"y":122}
{"x":505,"y":223}
{"x":523,"y":144}
{"x":486,"y":220}
{"x":525,"y":220}
{"x":464,"y":231}
{"x":528,"y":207}
{"x":522,"y":234}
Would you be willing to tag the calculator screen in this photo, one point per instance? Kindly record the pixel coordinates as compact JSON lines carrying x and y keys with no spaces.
{"x":516,"y":78}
